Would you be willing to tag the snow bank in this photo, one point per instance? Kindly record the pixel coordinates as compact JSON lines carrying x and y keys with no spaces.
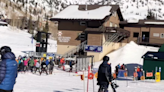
{"x":20,"y":41}
{"x":129,"y":54}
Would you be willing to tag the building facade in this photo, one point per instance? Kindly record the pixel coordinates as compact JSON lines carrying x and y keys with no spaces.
{"x":91,"y":25}
{"x":150,"y":32}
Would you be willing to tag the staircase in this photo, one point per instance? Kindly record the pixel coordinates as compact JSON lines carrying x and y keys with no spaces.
{"x":113,"y":38}
{"x":74,"y":50}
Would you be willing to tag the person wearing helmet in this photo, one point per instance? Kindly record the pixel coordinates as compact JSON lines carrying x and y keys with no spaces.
{"x":8,"y":69}
{"x":104,"y":75}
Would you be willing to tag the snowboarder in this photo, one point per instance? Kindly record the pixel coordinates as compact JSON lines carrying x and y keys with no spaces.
{"x":104,"y":75}
{"x":8,"y":69}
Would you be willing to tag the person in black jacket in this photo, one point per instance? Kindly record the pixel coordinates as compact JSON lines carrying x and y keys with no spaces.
{"x":104,"y":75}
{"x":51,"y":66}
{"x":43,"y":68}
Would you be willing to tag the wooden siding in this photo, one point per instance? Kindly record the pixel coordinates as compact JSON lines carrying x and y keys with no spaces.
{"x":95,"y":39}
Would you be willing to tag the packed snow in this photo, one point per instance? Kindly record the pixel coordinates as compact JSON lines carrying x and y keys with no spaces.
{"x":20,"y":40}
{"x":62,"y":81}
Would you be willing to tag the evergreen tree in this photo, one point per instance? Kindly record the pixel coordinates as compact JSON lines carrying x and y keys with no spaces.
{"x":30,"y":25}
{"x":150,"y":15}
{"x":45,"y":29}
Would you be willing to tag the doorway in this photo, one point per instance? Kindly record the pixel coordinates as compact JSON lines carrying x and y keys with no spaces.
{"x":145,"y":36}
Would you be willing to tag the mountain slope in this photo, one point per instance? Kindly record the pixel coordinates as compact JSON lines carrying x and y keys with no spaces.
{"x":131,"y":9}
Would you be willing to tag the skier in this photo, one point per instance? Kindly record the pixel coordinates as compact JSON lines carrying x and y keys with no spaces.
{"x":70,"y":64}
{"x":21,"y":66}
{"x":43,"y":68}
{"x":62,"y":61}
{"x":31,"y":64}
{"x":37,"y":66}
{"x":51,"y":63}
{"x":116,"y":71}
{"x":8,"y":69}
{"x":25,"y":61}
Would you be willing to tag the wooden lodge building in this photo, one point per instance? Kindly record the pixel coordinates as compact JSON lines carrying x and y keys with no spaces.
{"x":102,"y":25}
{"x":96,"y":25}
{"x":146,"y":32}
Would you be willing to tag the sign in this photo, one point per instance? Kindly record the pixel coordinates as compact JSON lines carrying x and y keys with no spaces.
{"x":90,"y":76}
{"x":135,"y":74}
{"x":142,"y":78}
{"x":64,"y":39}
{"x":149,"y":74}
{"x":96,"y":75}
{"x":60,"y":33}
{"x":37,"y":44}
{"x":156,"y":34}
{"x":50,"y":54}
{"x":93,"y":48}
{"x":158,"y":77}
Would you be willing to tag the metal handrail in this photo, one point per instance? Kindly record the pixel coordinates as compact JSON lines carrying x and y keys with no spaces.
{"x":109,"y":39}
{"x":113,"y":39}
{"x":118,"y":40}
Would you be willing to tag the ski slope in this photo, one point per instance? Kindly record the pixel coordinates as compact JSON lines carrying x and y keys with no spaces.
{"x":128,"y":54}
{"x":20,"y":40}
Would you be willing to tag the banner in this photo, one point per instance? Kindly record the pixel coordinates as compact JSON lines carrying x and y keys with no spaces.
{"x":158,"y":77}
{"x":149,"y":74}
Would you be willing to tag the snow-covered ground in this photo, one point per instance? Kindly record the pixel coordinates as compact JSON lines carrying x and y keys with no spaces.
{"x":20,"y":40}
{"x":62,"y":81}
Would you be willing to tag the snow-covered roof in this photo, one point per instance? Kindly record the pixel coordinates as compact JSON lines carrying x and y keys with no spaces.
{"x":133,"y":21}
{"x":159,"y":23}
{"x":72,"y":12}
{"x":1,"y":22}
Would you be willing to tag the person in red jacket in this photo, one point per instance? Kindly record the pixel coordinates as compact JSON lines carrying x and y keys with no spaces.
{"x":62,"y":61}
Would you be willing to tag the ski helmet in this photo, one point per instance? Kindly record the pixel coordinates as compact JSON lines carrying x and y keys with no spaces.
{"x":5,"y":49}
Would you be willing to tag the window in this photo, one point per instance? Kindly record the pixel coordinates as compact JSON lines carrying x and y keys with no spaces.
{"x":135,"y":34}
{"x":111,"y":25}
{"x":114,"y":14}
{"x":82,"y":23}
{"x":115,"y":25}
{"x":162,"y":35}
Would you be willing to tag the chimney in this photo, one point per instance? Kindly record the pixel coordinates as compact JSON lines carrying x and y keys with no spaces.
{"x":86,"y":7}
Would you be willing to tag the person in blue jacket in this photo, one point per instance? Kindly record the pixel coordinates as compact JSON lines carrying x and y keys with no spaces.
{"x":47,"y":62}
{"x":8,"y":69}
